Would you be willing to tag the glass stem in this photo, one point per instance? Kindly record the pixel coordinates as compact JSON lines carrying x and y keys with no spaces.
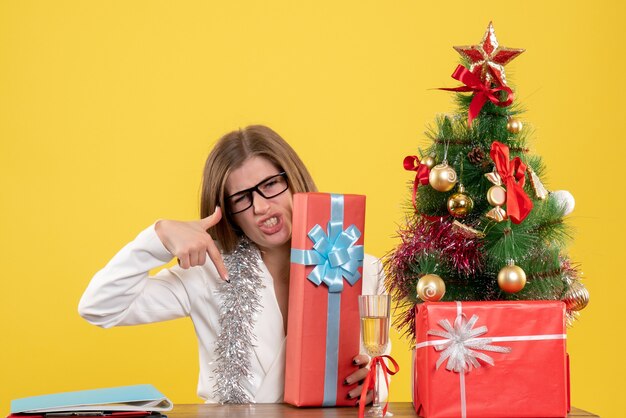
{"x":376,"y":400}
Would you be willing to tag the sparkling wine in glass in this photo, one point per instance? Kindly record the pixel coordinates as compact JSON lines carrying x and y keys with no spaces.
{"x":375,"y":330}
{"x":375,"y":311}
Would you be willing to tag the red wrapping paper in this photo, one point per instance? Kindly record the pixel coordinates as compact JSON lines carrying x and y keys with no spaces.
{"x":308,"y":304}
{"x":529,"y":381}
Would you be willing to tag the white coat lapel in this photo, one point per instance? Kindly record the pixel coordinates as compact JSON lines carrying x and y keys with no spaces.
{"x":272,"y":388}
{"x":269,"y":324}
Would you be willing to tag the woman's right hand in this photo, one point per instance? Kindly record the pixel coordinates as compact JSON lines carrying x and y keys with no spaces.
{"x":190,"y":241}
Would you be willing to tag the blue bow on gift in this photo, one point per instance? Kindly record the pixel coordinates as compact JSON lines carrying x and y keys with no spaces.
{"x":334,"y":255}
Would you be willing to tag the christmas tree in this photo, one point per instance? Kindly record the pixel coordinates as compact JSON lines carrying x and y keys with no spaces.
{"x":480,"y":224}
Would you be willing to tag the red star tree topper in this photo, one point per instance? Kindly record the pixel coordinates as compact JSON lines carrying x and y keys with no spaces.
{"x":488,"y":58}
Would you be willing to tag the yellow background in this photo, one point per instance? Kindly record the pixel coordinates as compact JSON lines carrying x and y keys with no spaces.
{"x":108,"y":109}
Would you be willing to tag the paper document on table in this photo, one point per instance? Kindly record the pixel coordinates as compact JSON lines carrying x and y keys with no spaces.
{"x":122,"y":398}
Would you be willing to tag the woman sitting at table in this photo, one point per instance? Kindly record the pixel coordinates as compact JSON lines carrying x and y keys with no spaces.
{"x":249,"y":179}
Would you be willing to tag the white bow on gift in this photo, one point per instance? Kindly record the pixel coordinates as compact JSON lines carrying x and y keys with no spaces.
{"x":461,"y":343}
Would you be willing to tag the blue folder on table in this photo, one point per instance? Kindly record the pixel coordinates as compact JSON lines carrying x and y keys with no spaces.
{"x":122,"y":398}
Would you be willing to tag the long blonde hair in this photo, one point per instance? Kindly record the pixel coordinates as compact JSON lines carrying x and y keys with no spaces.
{"x":229,"y":153}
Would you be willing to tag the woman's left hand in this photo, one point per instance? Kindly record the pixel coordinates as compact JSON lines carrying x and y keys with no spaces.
{"x":363,"y":361}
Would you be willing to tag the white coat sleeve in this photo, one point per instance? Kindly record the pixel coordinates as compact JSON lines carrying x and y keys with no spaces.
{"x":123,"y":293}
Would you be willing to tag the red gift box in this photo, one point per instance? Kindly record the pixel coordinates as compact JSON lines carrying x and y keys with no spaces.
{"x":506,"y":359}
{"x":323,"y":333}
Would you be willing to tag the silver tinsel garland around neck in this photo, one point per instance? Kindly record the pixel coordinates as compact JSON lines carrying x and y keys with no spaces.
{"x":240,"y":301}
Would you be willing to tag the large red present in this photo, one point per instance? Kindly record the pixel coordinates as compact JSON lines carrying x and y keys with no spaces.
{"x":490,"y":359}
{"x":323,"y":325}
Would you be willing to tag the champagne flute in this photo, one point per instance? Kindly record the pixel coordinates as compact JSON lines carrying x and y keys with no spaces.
{"x":374,"y":311}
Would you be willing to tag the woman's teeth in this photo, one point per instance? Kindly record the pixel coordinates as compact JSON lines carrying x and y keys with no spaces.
{"x":271,"y":221}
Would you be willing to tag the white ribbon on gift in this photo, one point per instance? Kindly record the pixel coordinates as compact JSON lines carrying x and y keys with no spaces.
{"x":460,"y":342}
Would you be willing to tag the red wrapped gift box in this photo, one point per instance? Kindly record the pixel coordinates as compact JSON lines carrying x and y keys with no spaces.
{"x":325,"y":281}
{"x":524,"y":341}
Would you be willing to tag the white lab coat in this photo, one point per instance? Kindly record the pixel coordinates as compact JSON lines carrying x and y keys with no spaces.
{"x":123,"y":293}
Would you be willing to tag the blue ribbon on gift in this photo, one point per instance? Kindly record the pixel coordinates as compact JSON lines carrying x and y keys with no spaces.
{"x":335,"y":257}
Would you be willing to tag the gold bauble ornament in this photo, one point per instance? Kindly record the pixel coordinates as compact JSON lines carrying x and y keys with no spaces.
{"x":430,"y":288}
{"x":460,"y":204}
{"x":514,"y":126}
{"x":577,"y":297}
{"x":442,"y":177}
{"x":511,"y":278}
{"x":429,"y":161}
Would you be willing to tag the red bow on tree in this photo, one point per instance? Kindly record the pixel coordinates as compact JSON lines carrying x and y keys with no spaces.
{"x":482,"y":92}
{"x":412,"y":163}
{"x":370,"y":381}
{"x":513,"y":174}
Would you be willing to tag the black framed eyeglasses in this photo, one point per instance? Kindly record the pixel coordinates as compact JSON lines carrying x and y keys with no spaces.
{"x":268,"y":188}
